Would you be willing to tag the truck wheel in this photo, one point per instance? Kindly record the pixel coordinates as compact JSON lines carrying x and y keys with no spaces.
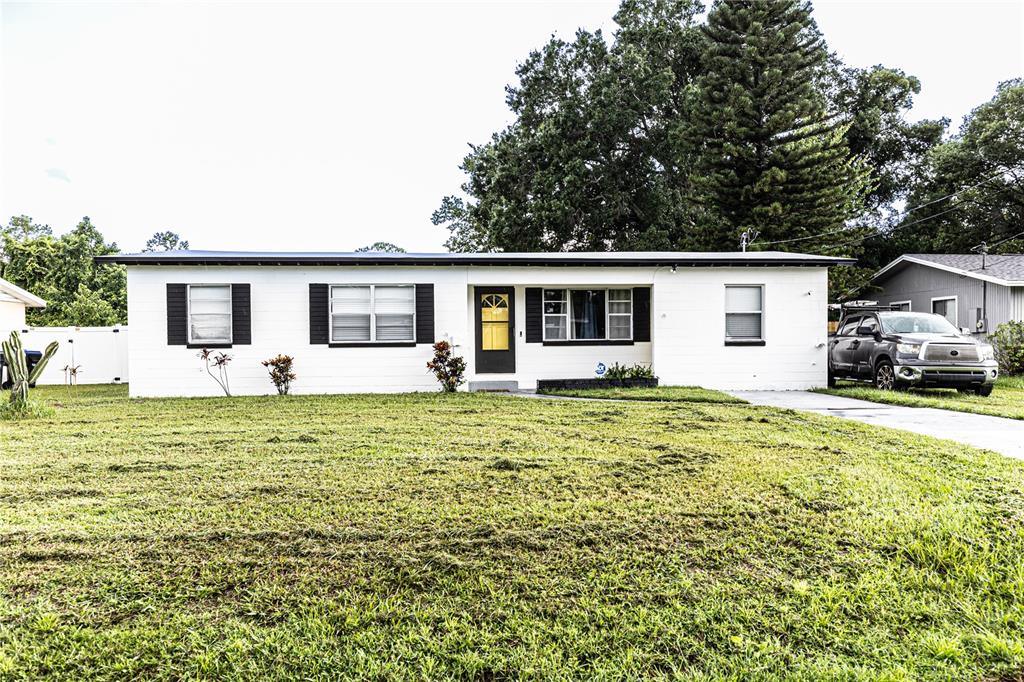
{"x":885,"y":376}
{"x":984,"y":391}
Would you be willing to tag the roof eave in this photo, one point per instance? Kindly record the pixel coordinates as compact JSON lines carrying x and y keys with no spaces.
{"x":29,"y":299}
{"x":946,"y":268}
{"x":496,"y":260}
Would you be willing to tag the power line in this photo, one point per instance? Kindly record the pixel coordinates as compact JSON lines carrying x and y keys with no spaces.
{"x":905,"y":213}
{"x":898,"y":227}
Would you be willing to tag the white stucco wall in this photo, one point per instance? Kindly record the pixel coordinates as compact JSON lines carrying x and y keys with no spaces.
{"x":687,"y":320}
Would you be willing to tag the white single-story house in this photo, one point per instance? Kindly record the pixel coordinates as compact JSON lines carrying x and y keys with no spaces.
{"x":365,"y":322}
{"x":13,"y":301}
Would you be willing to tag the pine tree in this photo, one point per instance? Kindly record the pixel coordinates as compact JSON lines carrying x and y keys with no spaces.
{"x":774,"y":160}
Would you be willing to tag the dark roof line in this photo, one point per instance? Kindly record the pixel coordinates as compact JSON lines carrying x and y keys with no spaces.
{"x":571,"y":259}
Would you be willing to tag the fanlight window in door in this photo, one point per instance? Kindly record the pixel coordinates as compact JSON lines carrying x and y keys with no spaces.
{"x":494,"y":322}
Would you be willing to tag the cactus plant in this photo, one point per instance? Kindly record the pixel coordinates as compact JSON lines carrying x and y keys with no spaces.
{"x":21,"y":378}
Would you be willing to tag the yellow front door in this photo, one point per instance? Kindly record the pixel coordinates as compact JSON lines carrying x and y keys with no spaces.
{"x":494,"y":322}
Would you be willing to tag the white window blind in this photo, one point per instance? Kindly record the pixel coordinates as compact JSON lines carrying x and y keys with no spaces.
{"x":743,"y":312}
{"x":394,"y":308}
{"x":350,"y":314}
{"x":372,"y":313}
{"x":209,"y":313}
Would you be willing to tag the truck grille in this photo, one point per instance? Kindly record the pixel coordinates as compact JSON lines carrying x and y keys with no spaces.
{"x":951,"y":352}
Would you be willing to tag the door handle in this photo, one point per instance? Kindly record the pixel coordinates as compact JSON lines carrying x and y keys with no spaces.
{"x":854,"y":345}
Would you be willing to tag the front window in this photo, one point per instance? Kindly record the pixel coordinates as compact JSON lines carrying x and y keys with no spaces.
{"x":588,"y":314}
{"x":743,"y":312}
{"x":915,"y":323}
{"x":209,"y":313}
{"x":372,"y":313}
{"x":945,"y":307}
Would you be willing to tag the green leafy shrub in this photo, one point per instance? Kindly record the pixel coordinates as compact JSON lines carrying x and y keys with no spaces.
{"x":619,"y":372}
{"x":1008,"y":342}
{"x":281,"y":374}
{"x":449,"y":369}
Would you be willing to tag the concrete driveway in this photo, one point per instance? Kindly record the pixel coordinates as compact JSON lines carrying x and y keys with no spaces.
{"x":1001,"y":435}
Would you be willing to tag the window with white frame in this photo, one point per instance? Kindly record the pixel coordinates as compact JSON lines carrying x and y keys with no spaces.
{"x":588,"y":314}
{"x":209,"y":313}
{"x":947,"y":308}
{"x":372,"y":313}
{"x":744,"y":312}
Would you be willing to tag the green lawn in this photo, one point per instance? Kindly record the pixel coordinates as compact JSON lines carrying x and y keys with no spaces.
{"x":491,"y":537}
{"x":1007,"y":400}
{"x":686,"y":394}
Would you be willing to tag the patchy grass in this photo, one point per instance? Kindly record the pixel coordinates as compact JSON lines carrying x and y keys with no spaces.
{"x":1007,"y":400}
{"x":685,"y":394}
{"x":490,"y":537}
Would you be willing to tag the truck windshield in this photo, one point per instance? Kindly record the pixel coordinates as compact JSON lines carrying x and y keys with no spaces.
{"x":915,"y":323}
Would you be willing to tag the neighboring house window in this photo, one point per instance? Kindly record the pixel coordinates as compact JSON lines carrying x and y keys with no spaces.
{"x":372,"y":313}
{"x":588,"y":314}
{"x":945,"y":307}
{"x":743,"y":312}
{"x":209,"y":313}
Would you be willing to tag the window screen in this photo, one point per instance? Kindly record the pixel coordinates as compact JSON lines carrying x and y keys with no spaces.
{"x":743,"y":312}
{"x":373,"y":312}
{"x":209,"y":313}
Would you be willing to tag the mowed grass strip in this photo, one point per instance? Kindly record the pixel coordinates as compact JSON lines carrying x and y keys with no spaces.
{"x":488,"y":537}
{"x":685,"y":394}
{"x":1007,"y":400}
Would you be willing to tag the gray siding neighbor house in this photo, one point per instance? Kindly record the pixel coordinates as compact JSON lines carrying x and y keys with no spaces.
{"x":966,"y":291}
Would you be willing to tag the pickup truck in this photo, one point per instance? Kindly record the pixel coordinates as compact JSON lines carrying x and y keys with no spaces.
{"x":900,"y":349}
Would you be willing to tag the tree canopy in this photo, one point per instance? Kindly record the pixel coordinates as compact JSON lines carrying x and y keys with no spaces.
{"x":166,"y":241}
{"x":61,"y":270}
{"x":380,"y":247}
{"x":673,"y":133}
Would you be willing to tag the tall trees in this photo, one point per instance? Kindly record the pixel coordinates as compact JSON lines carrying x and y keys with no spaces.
{"x":590,"y":162}
{"x":774,"y":159}
{"x":981,"y":171}
{"x":674,"y":135}
{"x":61,"y":270}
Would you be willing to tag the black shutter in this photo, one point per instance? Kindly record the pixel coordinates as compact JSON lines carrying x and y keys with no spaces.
{"x":177,"y":315}
{"x":642,"y":314}
{"x":318,"y":313}
{"x":425,"y":313}
{"x":534,"y":316}
{"x":241,"y":315}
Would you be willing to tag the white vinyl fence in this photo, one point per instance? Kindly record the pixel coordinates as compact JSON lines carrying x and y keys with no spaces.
{"x":100,"y":353}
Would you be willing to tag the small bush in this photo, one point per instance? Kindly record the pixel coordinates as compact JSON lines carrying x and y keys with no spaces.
{"x":619,"y":372}
{"x":1008,"y":342}
{"x":281,"y":373}
{"x":449,"y":369}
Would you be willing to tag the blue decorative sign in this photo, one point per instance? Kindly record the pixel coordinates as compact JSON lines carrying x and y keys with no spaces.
{"x":601,"y":369}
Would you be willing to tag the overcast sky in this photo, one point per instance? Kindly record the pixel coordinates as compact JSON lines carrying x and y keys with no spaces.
{"x":330,"y":126}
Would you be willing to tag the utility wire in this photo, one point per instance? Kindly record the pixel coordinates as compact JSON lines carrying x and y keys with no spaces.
{"x":898,"y":227}
{"x":905,"y":213}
